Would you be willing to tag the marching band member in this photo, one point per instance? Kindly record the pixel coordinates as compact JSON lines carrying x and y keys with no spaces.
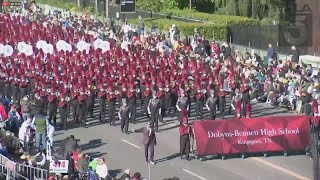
{"x":63,"y":110}
{"x":182,"y":105}
{"x":185,"y":135}
{"x":112,"y":99}
{"x":82,"y":115}
{"x":246,"y":105}
{"x":124,"y":115}
{"x":236,"y":103}
{"x":75,"y":104}
{"x":199,"y":99}
{"x":222,"y":101}
{"x":102,"y":103}
{"x":161,"y":95}
{"x":90,"y":98}
{"x":52,"y":107}
{"x":154,"y":109}
{"x":211,"y":104}
{"x":132,"y":101}
{"x":146,"y":98}
{"x":168,"y":100}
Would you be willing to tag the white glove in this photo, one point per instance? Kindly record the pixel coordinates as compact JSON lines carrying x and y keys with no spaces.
{"x":233,"y":108}
{"x":208,"y":108}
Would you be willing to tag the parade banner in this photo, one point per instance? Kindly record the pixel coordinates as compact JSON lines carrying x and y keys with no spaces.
{"x":248,"y":135}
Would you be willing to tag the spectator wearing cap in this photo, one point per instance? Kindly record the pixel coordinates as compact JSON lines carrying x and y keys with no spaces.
{"x":102,"y":169}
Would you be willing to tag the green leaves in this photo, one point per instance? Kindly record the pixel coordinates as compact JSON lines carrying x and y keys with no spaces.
{"x":213,"y":18}
{"x":218,"y":31}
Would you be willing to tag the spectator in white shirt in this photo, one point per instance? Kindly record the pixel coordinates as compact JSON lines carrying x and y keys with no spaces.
{"x":102,"y":169}
{"x":24,"y":131}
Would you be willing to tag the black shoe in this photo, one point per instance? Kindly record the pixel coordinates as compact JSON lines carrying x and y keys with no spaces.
{"x":181,"y":157}
{"x":188,"y":159}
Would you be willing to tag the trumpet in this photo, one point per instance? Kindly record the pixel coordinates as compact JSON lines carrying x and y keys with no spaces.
{"x":69,"y":86}
{"x":48,"y":90}
{"x":67,"y":99}
{"x":137,"y":90}
{"x":88,"y":92}
{"x":45,"y":61}
{"x":78,"y":90}
{"x":116,"y":92}
{"x":166,"y":89}
{"x":57,"y":94}
{"x":101,"y":64}
{"x":94,"y":87}
{"x":106,"y":90}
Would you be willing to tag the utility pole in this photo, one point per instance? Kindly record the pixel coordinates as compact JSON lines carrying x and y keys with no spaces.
{"x":190,"y":4}
{"x":96,"y":3}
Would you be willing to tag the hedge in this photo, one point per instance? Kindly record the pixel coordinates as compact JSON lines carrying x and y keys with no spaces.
{"x":213,"y":18}
{"x":220,"y":31}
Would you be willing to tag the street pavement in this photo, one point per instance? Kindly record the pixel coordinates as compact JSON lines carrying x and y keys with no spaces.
{"x":123,"y":151}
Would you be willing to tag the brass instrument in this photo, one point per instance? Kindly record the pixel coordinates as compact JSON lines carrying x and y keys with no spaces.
{"x":116,"y":92}
{"x":106,"y":90}
{"x":67,"y":99}
{"x":48,"y":90}
{"x":45,"y":61}
{"x":88,"y":93}
{"x":69,"y":86}
{"x":57,"y":94}
{"x":137,"y":90}
{"x":166,"y":89}
{"x":78,"y":90}
{"x":94,"y":87}
{"x":101,"y":64}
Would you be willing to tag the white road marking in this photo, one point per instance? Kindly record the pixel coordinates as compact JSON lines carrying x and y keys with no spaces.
{"x":194,"y":174}
{"x":286,"y":171}
{"x":131,"y":144}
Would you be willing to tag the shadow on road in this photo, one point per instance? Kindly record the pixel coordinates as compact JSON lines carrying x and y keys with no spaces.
{"x":168,"y":158}
{"x":115,"y":172}
{"x":96,"y":154}
{"x":92,"y":144}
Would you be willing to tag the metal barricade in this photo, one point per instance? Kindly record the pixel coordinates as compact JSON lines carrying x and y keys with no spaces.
{"x":30,"y":172}
{"x":7,"y":167}
{"x":12,"y":170}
